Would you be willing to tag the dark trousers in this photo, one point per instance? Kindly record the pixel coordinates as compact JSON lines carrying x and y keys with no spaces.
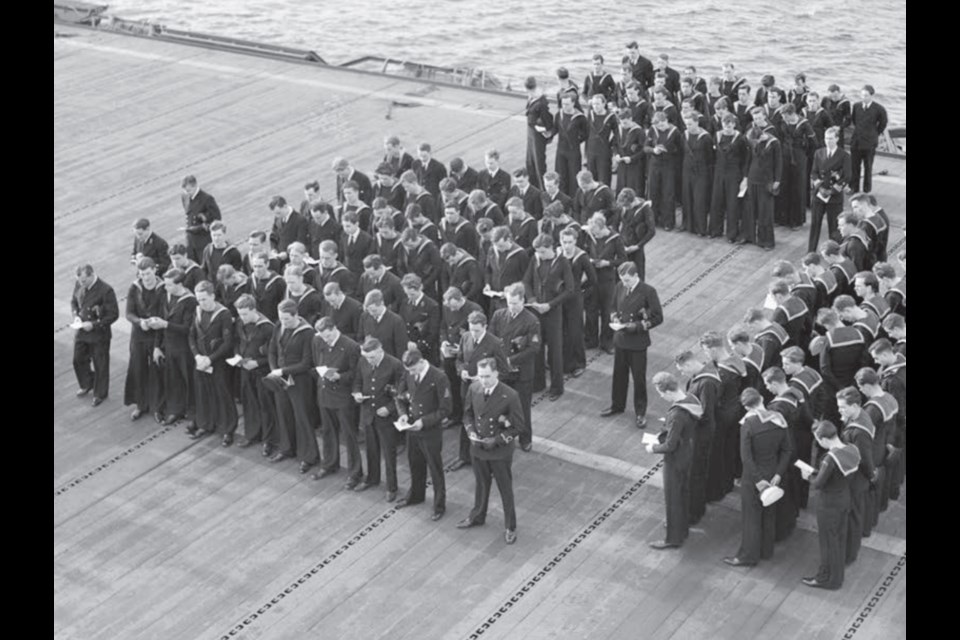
{"x":631,"y":176}
{"x":551,"y":334}
{"x":144,"y":384}
{"x":661,"y":182}
{"x":804,"y":441}
{"x":450,"y":368}
{"x":96,"y":377}
{"x":567,"y":166}
{"x":297,"y":437}
{"x":601,"y":166}
{"x":725,"y":203}
{"x":860,"y":156}
{"x":216,"y":410}
{"x":626,"y":363}
{"x":337,"y":422}
{"x":485,"y":470}
{"x":178,"y":394}
{"x":817,"y":210}
{"x":832,"y":532}
{"x":855,"y":518}
{"x":382,"y":438}
{"x":872,"y":507}
{"x":259,"y":419}
{"x":640,"y":259}
{"x":599,"y":305}
{"x":759,"y":524}
{"x":785,"y":509}
{"x":758,"y":222}
{"x":425,"y":451}
{"x":195,"y":245}
{"x":574,"y":354}
{"x":794,"y":189}
{"x":699,"y":470}
{"x":536,"y":157}
{"x":720,"y":472}
{"x":524,"y":389}
{"x":695,"y":197}
{"x":676,"y":496}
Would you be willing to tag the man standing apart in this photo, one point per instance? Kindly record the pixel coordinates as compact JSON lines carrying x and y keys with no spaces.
{"x":94,"y":306}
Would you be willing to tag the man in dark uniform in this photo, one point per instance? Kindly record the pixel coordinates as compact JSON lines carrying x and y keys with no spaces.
{"x":332,"y":270}
{"x":288,"y":227}
{"x":628,"y":156}
{"x":764,"y":168}
{"x":832,"y":480}
{"x":211,"y":342}
{"x":875,"y":223}
{"x":423,"y":401}
{"x":147,"y":244}
{"x":254,"y":331}
{"x":475,"y":345}
{"x":421,"y":315}
{"x":830,"y":175}
{"x":641,"y":69}
{"x":584,"y":279}
{"x":307,"y":299}
{"x":291,"y":358}
{"x":453,"y":324}
{"x":771,"y":336}
{"x":601,"y":125}
{"x":322,"y":225}
{"x":396,"y":157}
{"x":144,"y":382}
{"x":842,"y":352}
{"x":539,"y":131}
{"x":742,"y":109}
{"x":637,"y":227}
{"x":549,"y":283}
{"x":592,"y":197}
{"x":606,"y":252}
{"x":859,"y":431}
{"x":792,"y":314}
{"x":529,"y":194}
{"x":809,"y":384}
{"x":179,"y":311}
{"x":374,"y":389}
{"x":192,"y":273}
{"x":724,"y":454}
{"x":335,"y":361}
{"x":766,"y":450}
{"x":200,"y":209}
{"x":466,"y":176}
{"x":422,"y":257}
{"x":825,"y":283}
{"x":344,"y":310}
{"x":599,"y":82}
{"x":267,"y":287}
{"x":460,"y":231}
{"x":355,"y":243}
{"x":703,"y":381}
{"x":346,"y":173}
{"x":893,"y":380}
{"x":854,"y":243}
{"x":752,"y":354}
{"x":383,"y":324}
{"x":494,"y":181}
{"x":428,"y":170}
{"x":572,"y":131}
{"x":787,"y":401}
{"x":662,"y":146}
{"x":94,"y":307}
{"x":377,"y":277}
{"x":637,"y":311}
{"x":676,"y":443}
{"x":461,"y":271}
{"x":519,"y":332}
{"x":841,"y":266}
{"x":493,"y":418}
{"x":869,"y":120}
{"x":730,"y":168}
{"x":698,"y":163}
{"x":882,"y":409}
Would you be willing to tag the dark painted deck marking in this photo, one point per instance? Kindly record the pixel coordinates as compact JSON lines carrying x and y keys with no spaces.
{"x":874,"y":600}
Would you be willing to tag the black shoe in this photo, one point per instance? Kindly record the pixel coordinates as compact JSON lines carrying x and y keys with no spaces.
{"x":813,"y":582}
{"x":226,"y":440}
{"x":391,"y":496}
{"x":363,"y":486}
{"x":554,"y":396}
{"x":266,"y":451}
{"x":136,"y":415}
{"x":403,"y":502}
{"x":171,"y":420}
{"x":198,"y":433}
{"x":351,"y":484}
{"x":97,"y":402}
{"x":731,"y":240}
{"x":305,"y":466}
{"x":436,"y":515}
{"x":610,"y":411}
{"x":158,"y":417}
{"x":607,"y":350}
{"x":243,"y":443}
{"x":742,"y":241}
{"x":527,"y":447}
{"x":578,"y":372}
{"x":663,"y":544}
{"x":466,"y":523}
{"x":277,"y":457}
{"x":737,"y":562}
{"x":323,"y":473}
{"x":459,"y":464}
{"x":510,"y":536}
{"x":641,"y":422}
{"x":83,"y":392}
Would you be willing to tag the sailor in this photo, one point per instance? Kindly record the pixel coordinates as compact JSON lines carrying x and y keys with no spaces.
{"x":506,"y":264}
{"x":641,"y":68}
{"x":823,"y":279}
{"x":200,"y":210}
{"x":552,"y":192}
{"x":661,"y":146}
{"x":145,"y":305}
{"x":493,"y":418}
{"x":297,"y":253}
{"x":353,"y":204}
{"x":841,"y":266}
{"x":387,"y":242}
{"x":591,"y":197}
{"x":866,"y":285}
{"x":703,"y":382}
{"x":676,"y":443}
{"x":375,"y":388}
{"x":584,"y":277}
{"x":428,"y":170}
{"x":179,"y":312}
{"x":874,"y":222}
{"x":638,"y":310}
{"x":530,"y":195}
{"x":475,"y":345}
{"x":842,"y":353}
{"x":331,"y":269}
{"x":147,"y":244}
{"x":833,"y":505}
{"x":453,"y":196}
{"x":523,"y":226}
{"x":192,"y":273}
{"x":601,"y":125}
{"x":771,"y":336}
{"x":731,"y":83}
{"x":818,"y":117}
{"x":606,"y":252}
{"x":662,"y":104}
{"x":453,"y":324}
{"x":764,"y":173}
{"x":838,"y":107}
{"x":628,"y":153}
{"x":493,"y":181}
{"x":637,"y":227}
{"x":698,"y":163}
{"x":395,"y":156}
{"x":896,"y":327}
{"x":882,"y":409}
{"x":421,"y":256}
{"x":854,"y":243}
{"x":869,"y":120}
{"x":599,"y":82}
{"x":860,"y":319}
{"x":637,"y":104}
{"x":461,"y":271}
{"x":483,"y":207}
{"x":787,"y":402}
{"x":809,"y":384}
{"x":798,"y":142}
{"x":383,"y":324}
{"x":752,"y":354}
{"x":345,"y":173}
{"x":211,"y":342}
{"x":792,"y":314}
{"x":662,"y":64}
{"x":830,"y":175}
{"x":421,"y":315}
{"x":539,"y":131}
{"x":257,"y":244}
{"x":416,"y":220}
{"x":724,"y":454}
{"x":549,"y":282}
{"x":742,"y":109}
{"x":730,"y":168}
{"x":306,"y":298}
{"x":465,"y":175}
{"x":766,"y":450}
{"x":858,"y":430}
{"x":344,"y":311}
{"x":519,"y":331}
{"x":418,"y":195}
{"x":893,"y":380}
{"x":566,"y":86}
{"x":423,"y":401}
{"x":454,"y":228}
{"x":355,"y":243}
{"x":322,"y":225}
